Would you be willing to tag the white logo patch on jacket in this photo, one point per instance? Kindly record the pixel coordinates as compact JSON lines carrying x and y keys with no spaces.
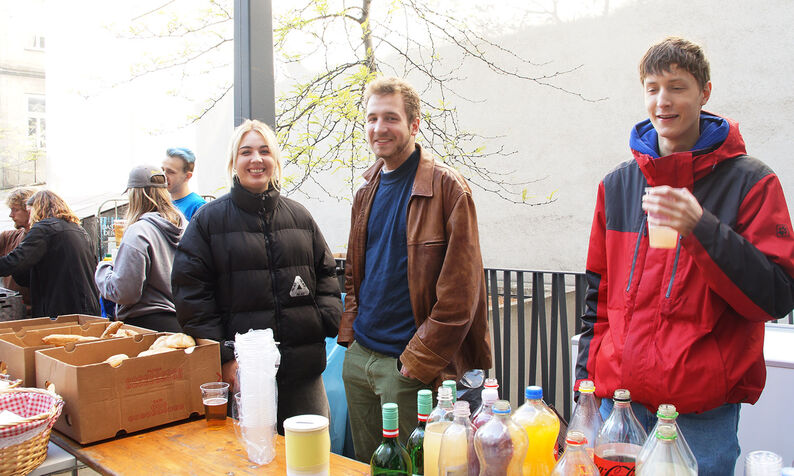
{"x":299,"y":288}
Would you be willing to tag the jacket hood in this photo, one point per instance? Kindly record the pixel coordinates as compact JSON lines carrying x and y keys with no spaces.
{"x":719,"y":140}
{"x":172,"y":232}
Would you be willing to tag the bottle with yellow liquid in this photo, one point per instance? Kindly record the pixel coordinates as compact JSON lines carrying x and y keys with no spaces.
{"x":456,"y":455}
{"x":541,"y":426}
{"x":439,"y":420}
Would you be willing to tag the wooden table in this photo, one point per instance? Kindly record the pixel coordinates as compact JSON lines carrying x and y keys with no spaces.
{"x":185,"y":448}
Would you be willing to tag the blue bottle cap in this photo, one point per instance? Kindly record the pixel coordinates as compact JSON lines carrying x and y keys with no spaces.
{"x":533,"y":392}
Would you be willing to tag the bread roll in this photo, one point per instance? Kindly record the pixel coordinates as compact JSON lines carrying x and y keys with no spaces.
{"x":111,"y":329}
{"x":115,"y":360}
{"x":63,"y":339}
{"x":180,"y":341}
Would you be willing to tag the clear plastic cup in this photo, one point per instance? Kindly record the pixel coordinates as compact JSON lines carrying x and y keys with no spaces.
{"x":763,"y":463}
{"x":215,"y":396}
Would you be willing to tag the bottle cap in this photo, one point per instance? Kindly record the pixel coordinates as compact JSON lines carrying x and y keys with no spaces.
{"x":424,"y":401}
{"x":461,"y":409}
{"x":453,"y":387}
{"x":667,"y":411}
{"x":666,"y":432}
{"x":533,"y":392}
{"x":490,"y":395}
{"x":586,"y":386}
{"x":491,"y":383}
{"x":390,"y":416}
{"x":501,"y":406}
{"x":622,"y":395}
{"x":575,"y":438}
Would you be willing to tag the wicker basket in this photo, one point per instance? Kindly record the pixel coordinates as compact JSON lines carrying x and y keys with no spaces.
{"x":23,"y":444}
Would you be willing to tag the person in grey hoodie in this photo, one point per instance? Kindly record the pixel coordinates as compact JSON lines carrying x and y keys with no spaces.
{"x":139,"y":279}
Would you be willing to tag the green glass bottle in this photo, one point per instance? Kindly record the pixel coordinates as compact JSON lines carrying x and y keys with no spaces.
{"x":415,"y":443}
{"x":390,"y":457}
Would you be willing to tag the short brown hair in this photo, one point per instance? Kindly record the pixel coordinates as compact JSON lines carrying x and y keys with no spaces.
{"x":382,"y":86}
{"x":47,"y":204}
{"x":18,"y":197}
{"x":673,"y":50}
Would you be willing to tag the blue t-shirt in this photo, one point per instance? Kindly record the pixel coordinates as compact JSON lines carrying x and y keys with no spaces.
{"x":189,"y":204}
{"x":385,"y":320}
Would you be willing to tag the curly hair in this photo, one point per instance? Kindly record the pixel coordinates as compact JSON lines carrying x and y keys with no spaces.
{"x":47,"y":204}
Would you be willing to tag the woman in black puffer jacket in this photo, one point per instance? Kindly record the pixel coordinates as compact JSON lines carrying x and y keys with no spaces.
{"x":253,"y":259}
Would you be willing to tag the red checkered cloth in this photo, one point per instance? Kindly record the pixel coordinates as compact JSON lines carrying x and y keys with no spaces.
{"x":28,"y":405}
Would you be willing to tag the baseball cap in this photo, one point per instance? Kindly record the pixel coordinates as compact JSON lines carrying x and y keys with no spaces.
{"x":141,"y":176}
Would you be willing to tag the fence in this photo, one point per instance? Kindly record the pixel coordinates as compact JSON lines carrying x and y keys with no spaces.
{"x":533,"y":315}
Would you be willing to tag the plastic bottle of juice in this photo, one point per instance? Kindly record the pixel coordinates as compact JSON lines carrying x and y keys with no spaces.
{"x":500,"y":444}
{"x":489,"y":397}
{"x":586,"y":417}
{"x":438,"y":421}
{"x":542,"y":427}
{"x":620,"y":439}
{"x":489,"y":383}
{"x":665,"y":459}
{"x":576,"y":461}
{"x":666,"y":414}
{"x":456,"y":455}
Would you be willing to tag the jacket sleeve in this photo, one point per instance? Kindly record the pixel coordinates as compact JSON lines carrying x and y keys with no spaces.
{"x":26,"y":255}
{"x":751,"y":265}
{"x":594,"y":321}
{"x":327,"y":296}
{"x":193,"y":286}
{"x":439,"y":337}
{"x":350,"y":310}
{"x":123,"y":280}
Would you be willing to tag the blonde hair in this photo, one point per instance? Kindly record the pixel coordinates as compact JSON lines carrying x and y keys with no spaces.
{"x":270,"y":139}
{"x":18,"y":198}
{"x":47,"y":204}
{"x":152,"y":199}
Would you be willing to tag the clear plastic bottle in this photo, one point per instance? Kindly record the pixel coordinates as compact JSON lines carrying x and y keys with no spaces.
{"x":453,"y":387}
{"x":500,"y":444}
{"x":489,"y":383}
{"x":586,"y":418}
{"x":665,"y":459}
{"x":576,"y":461}
{"x":621,"y":436}
{"x":489,"y":397}
{"x":666,"y":415}
{"x":456,"y":456}
{"x":542,"y":427}
{"x":438,"y":421}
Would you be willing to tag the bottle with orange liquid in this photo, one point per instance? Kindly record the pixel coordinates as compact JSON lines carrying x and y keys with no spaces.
{"x":541,"y":426}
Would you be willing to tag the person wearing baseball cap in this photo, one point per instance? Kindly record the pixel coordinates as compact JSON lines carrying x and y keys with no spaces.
{"x":139,"y":279}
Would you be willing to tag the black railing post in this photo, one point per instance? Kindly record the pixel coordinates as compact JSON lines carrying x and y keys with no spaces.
{"x":522,"y":334}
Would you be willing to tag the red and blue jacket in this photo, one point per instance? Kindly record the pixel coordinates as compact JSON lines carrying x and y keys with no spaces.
{"x":686,"y":325}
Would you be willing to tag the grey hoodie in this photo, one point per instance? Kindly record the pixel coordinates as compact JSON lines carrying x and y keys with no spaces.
{"x":139,"y":280}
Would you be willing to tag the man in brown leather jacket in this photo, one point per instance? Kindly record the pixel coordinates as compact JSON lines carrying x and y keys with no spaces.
{"x":415,"y":308}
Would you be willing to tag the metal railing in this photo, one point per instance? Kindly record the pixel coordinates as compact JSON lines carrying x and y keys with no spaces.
{"x":533,"y":315}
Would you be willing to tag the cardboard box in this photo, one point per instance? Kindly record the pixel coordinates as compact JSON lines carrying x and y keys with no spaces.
{"x":141,"y":393}
{"x":18,"y":349}
{"x":10,"y":327}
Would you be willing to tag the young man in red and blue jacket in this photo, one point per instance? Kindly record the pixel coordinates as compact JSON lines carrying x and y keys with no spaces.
{"x":686,"y":325}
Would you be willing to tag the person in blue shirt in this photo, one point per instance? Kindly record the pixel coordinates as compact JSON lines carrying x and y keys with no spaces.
{"x":178,"y":167}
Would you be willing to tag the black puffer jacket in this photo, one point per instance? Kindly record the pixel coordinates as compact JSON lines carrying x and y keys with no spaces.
{"x":250,"y":261}
{"x":56,"y":260}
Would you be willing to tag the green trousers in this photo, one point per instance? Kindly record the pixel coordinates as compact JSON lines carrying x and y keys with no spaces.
{"x":372,"y":379}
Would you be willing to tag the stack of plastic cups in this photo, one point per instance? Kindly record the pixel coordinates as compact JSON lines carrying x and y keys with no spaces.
{"x":257,"y":360}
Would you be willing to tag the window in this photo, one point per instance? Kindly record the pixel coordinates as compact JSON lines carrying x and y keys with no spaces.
{"x":37,"y":43}
{"x":36,"y":121}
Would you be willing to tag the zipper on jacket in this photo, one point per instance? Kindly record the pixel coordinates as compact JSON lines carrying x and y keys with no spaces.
{"x":636,"y":251}
{"x":675,"y":266}
{"x":266,"y":218}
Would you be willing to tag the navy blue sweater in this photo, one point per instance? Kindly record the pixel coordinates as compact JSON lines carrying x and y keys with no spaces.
{"x":385,"y":321}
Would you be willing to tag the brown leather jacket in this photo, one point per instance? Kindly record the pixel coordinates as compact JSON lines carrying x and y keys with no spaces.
{"x":445,"y":273}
